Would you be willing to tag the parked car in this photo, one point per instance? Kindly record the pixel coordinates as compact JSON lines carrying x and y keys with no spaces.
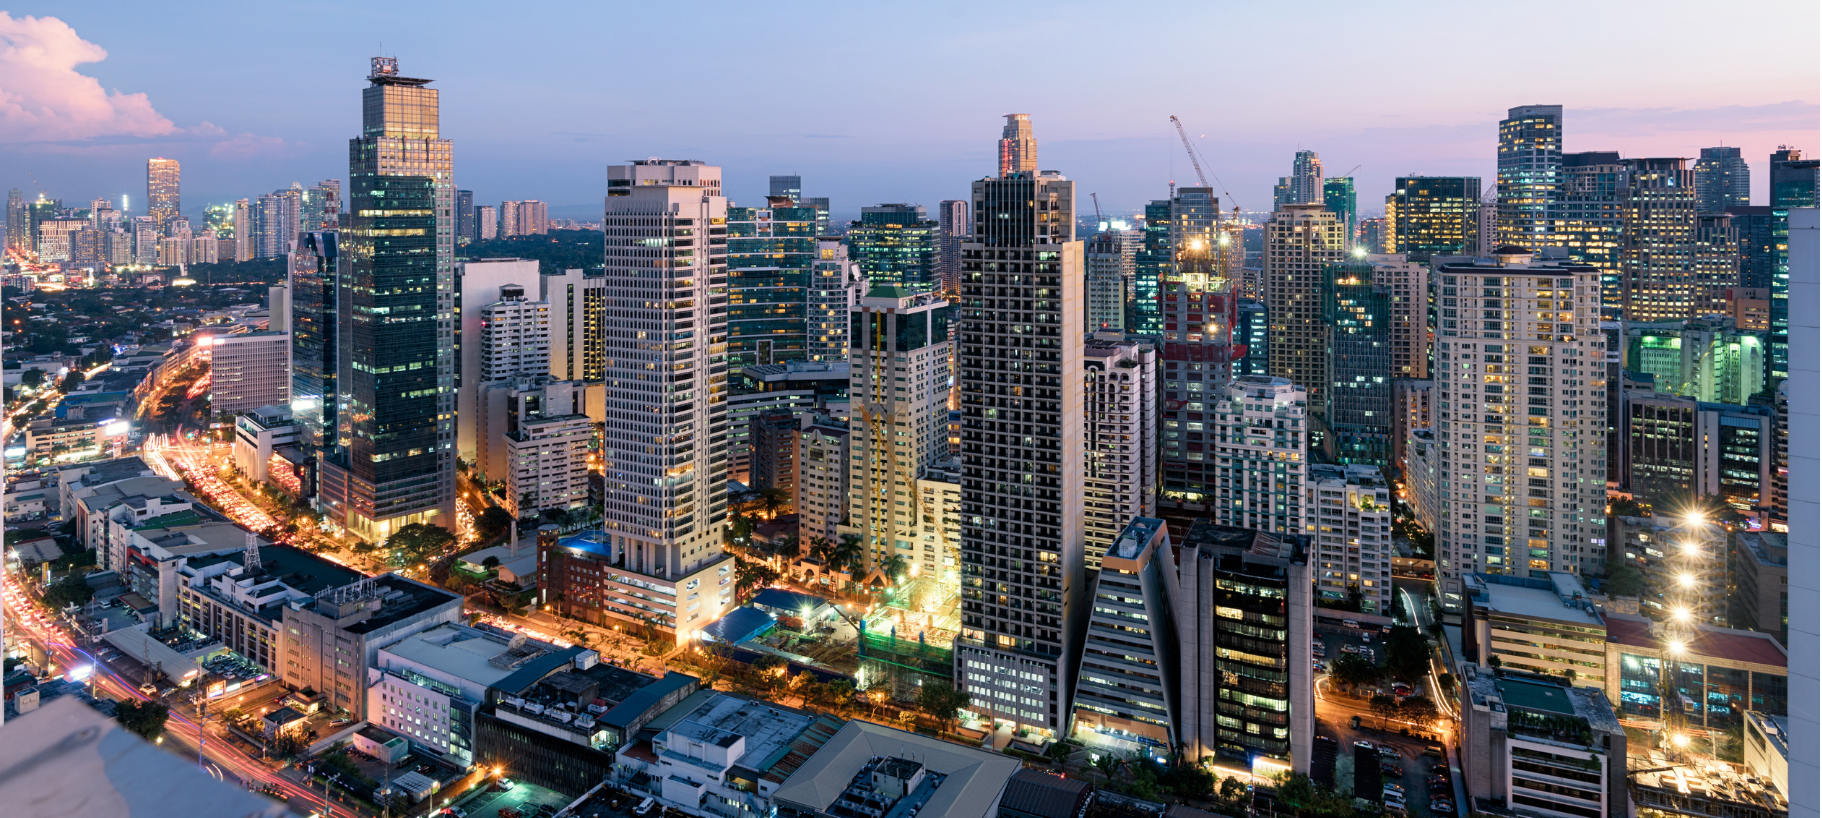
{"x":1388,"y":751}
{"x":1365,"y":745}
{"x":1392,"y":770}
{"x":1397,"y":788}
{"x":1439,"y":770}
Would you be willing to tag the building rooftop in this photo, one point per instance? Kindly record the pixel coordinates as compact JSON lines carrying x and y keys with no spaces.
{"x":634,"y":704}
{"x":1560,"y":598}
{"x":1707,"y":789}
{"x":460,"y":651}
{"x":401,"y":599}
{"x":1709,"y":641}
{"x":1049,"y":796}
{"x":1539,"y":696}
{"x":1535,"y":696}
{"x":722,"y":719}
{"x":974,"y":777}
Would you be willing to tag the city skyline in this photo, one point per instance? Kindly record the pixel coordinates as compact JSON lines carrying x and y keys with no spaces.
{"x":90,"y":108}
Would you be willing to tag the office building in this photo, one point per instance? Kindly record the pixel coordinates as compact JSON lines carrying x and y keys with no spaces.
{"x":1357,"y":311}
{"x":464,"y":217}
{"x":1252,"y":331}
{"x":895,"y":246}
{"x":1018,"y":146}
{"x":1706,"y":359}
{"x":1373,"y":235}
{"x":1349,"y":524}
{"x":1304,"y":185}
{"x":898,"y":392}
{"x":1128,"y":696}
{"x":1758,"y":583}
{"x":1408,"y":282}
{"x":18,"y":223}
{"x":486,"y":222}
{"x":1778,"y":508}
{"x":954,"y":224}
{"x":1544,"y":624}
{"x":314,"y":265}
{"x":163,"y":177}
{"x":666,"y":482}
{"x":1658,"y":243}
{"x":332,"y":639}
{"x":1530,"y":171}
{"x":797,"y":386}
{"x":480,"y":283}
{"x":1244,"y":616}
{"x":1120,"y":439}
{"x":1677,"y":448}
{"x":1195,"y":304}
{"x":261,"y":434}
{"x":524,"y":218}
{"x":1107,"y":276}
{"x":1258,"y":431}
{"x":1338,"y":197}
{"x":1411,"y":408}
{"x":397,"y":377}
{"x":578,"y":306}
{"x":248,"y":371}
{"x":1548,"y":748}
{"x":1301,"y":241}
{"x":1722,"y":180}
{"x":1021,"y":449}
{"x":1681,"y":561}
{"x":320,"y":207}
{"x":1700,"y":680}
{"x":1490,"y":344}
{"x":773,"y":439}
{"x":836,"y":285}
{"x":1749,"y":307}
{"x":1752,"y":228}
{"x":1793,"y":178}
{"x":790,"y":187}
{"x":1803,"y":489}
{"x":1716,"y":262}
{"x":1152,"y":264}
{"x":769,"y":254}
{"x":1590,"y":216}
{"x":1428,"y":216}
{"x":822,"y":478}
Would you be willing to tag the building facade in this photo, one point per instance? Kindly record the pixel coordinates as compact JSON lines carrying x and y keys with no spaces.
{"x":1530,"y":169}
{"x":1349,"y":513}
{"x":1301,"y":241}
{"x":1120,"y":440}
{"x":1430,"y":216}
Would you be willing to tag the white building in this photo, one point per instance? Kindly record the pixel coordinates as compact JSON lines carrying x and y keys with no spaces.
{"x":1120,"y":439}
{"x":1127,"y":695}
{"x":504,"y":407}
{"x":1520,"y":423}
{"x":577,"y":308}
{"x":898,"y":391}
{"x":836,"y":285}
{"x":547,"y":463}
{"x":822,"y":479}
{"x":1409,"y":282}
{"x":427,"y":686}
{"x":515,"y":336}
{"x":248,"y":370}
{"x":939,"y":524}
{"x":1261,"y":432}
{"x":710,"y":755}
{"x":479,"y":283}
{"x":1349,"y":513}
{"x":259,"y":433}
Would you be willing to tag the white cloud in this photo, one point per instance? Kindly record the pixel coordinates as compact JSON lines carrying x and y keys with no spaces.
{"x":44,"y":98}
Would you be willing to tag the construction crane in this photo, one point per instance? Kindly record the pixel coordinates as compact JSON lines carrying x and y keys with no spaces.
{"x":1098,"y":221}
{"x":1349,"y":173}
{"x":1197,"y":164}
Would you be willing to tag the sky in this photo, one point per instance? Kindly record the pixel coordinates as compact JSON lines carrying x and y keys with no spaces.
{"x":889,"y":102}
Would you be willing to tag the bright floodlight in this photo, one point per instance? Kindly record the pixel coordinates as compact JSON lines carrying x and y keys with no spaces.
{"x":1686,"y":580}
{"x":1675,"y":646}
{"x":1680,"y":614}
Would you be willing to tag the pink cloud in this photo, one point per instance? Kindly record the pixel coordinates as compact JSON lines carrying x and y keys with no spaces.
{"x":44,"y":98}
{"x":249,"y":146}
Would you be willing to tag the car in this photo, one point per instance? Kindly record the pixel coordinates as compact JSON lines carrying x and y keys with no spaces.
{"x":507,"y":783}
{"x":1366,"y":639}
{"x":147,"y":689}
{"x":1439,"y":779}
{"x":1439,"y":770}
{"x":1394,"y":809}
{"x":455,"y":812}
{"x":1392,"y":770}
{"x":1365,"y":745}
{"x":643,"y":808}
{"x":1349,"y":623}
{"x":1442,"y":807}
{"x":1392,"y":797}
{"x":1388,"y":751}
{"x":1397,"y":788}
{"x":1316,"y":665}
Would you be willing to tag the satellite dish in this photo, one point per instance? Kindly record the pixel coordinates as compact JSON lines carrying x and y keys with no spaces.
{"x":517,"y":641}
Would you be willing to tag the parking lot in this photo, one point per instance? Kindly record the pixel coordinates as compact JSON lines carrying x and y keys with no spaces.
{"x":487,"y":801}
{"x":615,"y":803}
{"x":1364,"y":771}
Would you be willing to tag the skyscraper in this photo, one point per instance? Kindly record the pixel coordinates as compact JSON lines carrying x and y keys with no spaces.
{"x":162,"y":182}
{"x":1590,"y":216}
{"x":529,"y":217}
{"x":1351,"y":542}
{"x":313,"y":289}
{"x":1357,"y":310}
{"x":1338,"y":197}
{"x":1717,"y":262}
{"x":1018,"y":148}
{"x":790,"y":187}
{"x":486,"y":222}
{"x":1258,"y":440}
{"x":664,"y":451}
{"x":1021,"y":556}
{"x":1409,"y":282}
{"x":320,"y":207}
{"x":895,"y":246}
{"x":953,"y":226}
{"x":479,"y":284}
{"x":1534,"y":324}
{"x":836,"y":285}
{"x":515,"y":337}
{"x":769,"y":254}
{"x":1722,"y":180}
{"x":1433,"y":216}
{"x":1304,"y":185}
{"x":1252,"y":330}
{"x":396,"y":375}
{"x":1530,"y":167}
{"x":277,"y":216}
{"x":1151,"y":266}
{"x":1198,"y":300}
{"x":1793,"y":178}
{"x":1301,"y":240}
{"x":1120,"y":439}
{"x":1793,"y":184}
{"x":1106,"y":279}
{"x":246,"y":230}
{"x":1657,"y":247}
{"x":464,"y":215}
{"x":18,"y":222}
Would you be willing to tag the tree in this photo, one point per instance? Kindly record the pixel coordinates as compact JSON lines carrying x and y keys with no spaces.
{"x":1627,"y":507}
{"x":750,"y":576}
{"x":771,"y":499}
{"x":847,"y":554}
{"x":416,"y":541}
{"x":840,"y":695}
{"x":492,"y":561}
{"x":1623,"y":579}
{"x":1353,"y":670}
{"x":894,"y":567}
{"x":71,"y":590}
{"x":144,"y":718}
{"x":32,"y":377}
{"x":1407,"y":653}
{"x":492,"y":523}
{"x":1384,"y":707}
{"x":941,"y":701}
{"x":70,"y":382}
{"x":1417,"y":709}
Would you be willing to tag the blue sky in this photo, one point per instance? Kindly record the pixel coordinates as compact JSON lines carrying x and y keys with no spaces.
{"x":883,"y":102}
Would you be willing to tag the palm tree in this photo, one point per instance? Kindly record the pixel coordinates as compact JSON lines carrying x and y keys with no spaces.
{"x":847,"y":555}
{"x":771,"y":499}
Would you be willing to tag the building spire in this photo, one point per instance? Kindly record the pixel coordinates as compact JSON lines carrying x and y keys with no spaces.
{"x":1018,"y":148}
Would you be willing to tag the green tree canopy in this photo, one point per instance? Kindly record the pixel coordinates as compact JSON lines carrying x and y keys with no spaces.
{"x":1353,"y":670}
{"x":144,"y":718}
{"x":417,"y":541}
{"x":941,"y":701}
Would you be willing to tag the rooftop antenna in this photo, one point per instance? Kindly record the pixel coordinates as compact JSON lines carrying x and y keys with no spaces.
{"x":251,"y":562}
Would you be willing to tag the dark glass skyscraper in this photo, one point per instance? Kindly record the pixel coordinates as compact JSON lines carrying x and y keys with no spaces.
{"x":1793,"y":184}
{"x":395,"y":305}
{"x":1338,"y":197}
{"x":464,"y":217}
{"x":313,"y":323}
{"x":1722,"y":180}
{"x":770,"y":252}
{"x":1433,"y":216}
{"x":895,"y":247}
{"x":1530,"y":161}
{"x":1150,"y":267}
{"x":1358,"y":313}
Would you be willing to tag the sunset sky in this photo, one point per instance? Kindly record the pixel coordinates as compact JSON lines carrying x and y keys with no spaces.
{"x":878,"y":102}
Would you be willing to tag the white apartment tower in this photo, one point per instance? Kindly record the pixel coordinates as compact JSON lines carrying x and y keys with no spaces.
{"x":898,"y":388}
{"x":836,"y":284}
{"x":547,"y":463}
{"x":822,"y":480}
{"x":1409,"y":282}
{"x":1301,"y":240}
{"x":1349,"y":513}
{"x":665,"y":271}
{"x":1021,"y":385}
{"x":1261,"y":432}
{"x":1520,"y":428}
{"x":1120,"y":439}
{"x":515,"y":336}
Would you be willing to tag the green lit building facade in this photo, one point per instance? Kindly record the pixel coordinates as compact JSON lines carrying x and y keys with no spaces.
{"x":1150,"y":267}
{"x":1338,"y":197}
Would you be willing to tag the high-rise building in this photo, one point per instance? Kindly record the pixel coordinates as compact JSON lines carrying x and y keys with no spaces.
{"x":822,"y":478}
{"x":524,"y":218}
{"x":1430,"y":216}
{"x":313,"y":286}
{"x":790,"y":187}
{"x":478,"y":283}
{"x":1018,"y":147}
{"x":898,"y":391}
{"x":1677,"y":448}
{"x":895,"y":246}
{"x":1589,"y":218}
{"x":1244,"y":616}
{"x":320,"y":207}
{"x":18,"y":223}
{"x":1520,"y":365}
{"x":1134,"y":611}
{"x":162,"y":183}
{"x":836,"y":285}
{"x":1374,"y":235}
{"x":1300,"y":242}
{"x":1151,"y":266}
{"x":770,"y":252}
{"x":1106,"y":283}
{"x":954,"y":225}
{"x":1409,"y":282}
{"x":249,"y":371}
{"x":145,"y":240}
{"x":1716,"y":262}
{"x":1657,"y":245}
{"x":1793,"y":185}
{"x":1120,"y":439}
{"x":464,"y":216}
{"x":276,"y":220}
{"x":1021,"y":451}
{"x":1722,"y":180}
{"x":515,"y":337}
{"x":664,"y":451}
{"x":1198,"y":302}
{"x":1779,"y":505}
{"x":1530,"y":171}
{"x":1793,"y":178}
{"x":1357,"y":311}
{"x":1752,"y":228}
{"x":246,"y":230}
{"x":1411,"y":407}
{"x":578,"y":308}
{"x":1350,"y":535}
{"x":486,"y":222}
{"x":1707,"y":359}
{"x":1252,"y":330}
{"x":396,"y":375}
{"x":1338,"y":196}
{"x":1304,"y":185}
{"x":1261,"y":476}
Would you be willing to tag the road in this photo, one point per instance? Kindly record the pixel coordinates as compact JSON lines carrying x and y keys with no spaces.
{"x":218,"y":758}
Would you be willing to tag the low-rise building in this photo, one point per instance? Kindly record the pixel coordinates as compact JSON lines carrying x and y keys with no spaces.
{"x":1678,"y":558}
{"x":1768,"y":749}
{"x":241,"y":601}
{"x":333,"y":638}
{"x":1545,"y":626}
{"x":560,"y":730}
{"x":716,"y":754}
{"x":585,"y":576}
{"x":267,"y":449}
{"x":63,"y":438}
{"x":1704,"y":791}
{"x":1707,"y":677}
{"x":873,"y":770}
{"x":1758,"y":583}
{"x":1543,"y":747}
